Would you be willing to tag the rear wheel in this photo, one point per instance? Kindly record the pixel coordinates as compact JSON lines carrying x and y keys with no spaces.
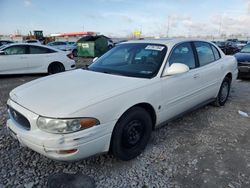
{"x":223,"y":93}
{"x":131,"y":134}
{"x":56,"y":68}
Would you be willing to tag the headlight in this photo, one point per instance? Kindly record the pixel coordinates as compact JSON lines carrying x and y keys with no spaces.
{"x":63,"y":126}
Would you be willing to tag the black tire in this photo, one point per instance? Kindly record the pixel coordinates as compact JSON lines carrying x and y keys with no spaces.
{"x":224,"y":91}
{"x":74,"y":52}
{"x":56,"y":68}
{"x":131,"y":134}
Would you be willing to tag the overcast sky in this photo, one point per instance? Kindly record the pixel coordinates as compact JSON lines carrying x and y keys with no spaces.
{"x":121,"y":17}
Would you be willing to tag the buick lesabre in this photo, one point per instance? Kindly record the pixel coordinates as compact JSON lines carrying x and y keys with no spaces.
{"x":114,"y":105}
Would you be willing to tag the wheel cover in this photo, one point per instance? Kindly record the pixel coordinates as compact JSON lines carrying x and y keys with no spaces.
{"x":132,"y":133}
{"x":57,"y":68}
{"x":224,"y":91}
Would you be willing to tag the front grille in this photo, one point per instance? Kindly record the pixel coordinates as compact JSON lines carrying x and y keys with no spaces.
{"x":19,"y":118}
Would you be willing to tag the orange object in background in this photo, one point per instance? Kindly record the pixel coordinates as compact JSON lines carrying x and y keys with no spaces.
{"x":77,"y":33}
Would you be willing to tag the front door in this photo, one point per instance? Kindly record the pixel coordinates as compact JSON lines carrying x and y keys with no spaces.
{"x":180,"y":92}
{"x":14,"y":60}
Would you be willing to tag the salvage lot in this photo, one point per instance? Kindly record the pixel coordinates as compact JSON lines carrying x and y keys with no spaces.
{"x":206,"y":148}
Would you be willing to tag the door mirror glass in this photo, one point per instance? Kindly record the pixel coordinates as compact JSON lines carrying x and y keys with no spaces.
{"x":2,"y":52}
{"x":176,"y":68}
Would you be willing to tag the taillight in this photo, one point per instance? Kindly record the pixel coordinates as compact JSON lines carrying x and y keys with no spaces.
{"x":70,"y":56}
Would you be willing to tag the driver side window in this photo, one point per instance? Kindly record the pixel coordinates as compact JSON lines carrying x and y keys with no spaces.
{"x":183,"y":53}
{"x":15,"y":50}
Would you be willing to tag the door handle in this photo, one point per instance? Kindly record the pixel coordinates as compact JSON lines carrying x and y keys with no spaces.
{"x":196,"y":76}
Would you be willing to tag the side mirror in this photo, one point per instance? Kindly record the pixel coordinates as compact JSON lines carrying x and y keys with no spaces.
{"x":95,"y":59}
{"x":176,"y":68}
{"x":2,"y":52}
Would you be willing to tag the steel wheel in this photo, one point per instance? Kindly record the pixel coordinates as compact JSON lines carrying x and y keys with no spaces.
{"x":223,"y":93}
{"x":131,"y":134}
{"x":56,"y":68}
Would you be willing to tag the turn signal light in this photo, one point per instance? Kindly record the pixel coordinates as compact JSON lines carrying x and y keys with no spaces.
{"x":88,"y":122}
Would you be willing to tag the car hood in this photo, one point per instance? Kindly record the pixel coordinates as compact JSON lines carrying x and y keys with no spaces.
{"x":63,"y":94}
{"x":241,"y":57}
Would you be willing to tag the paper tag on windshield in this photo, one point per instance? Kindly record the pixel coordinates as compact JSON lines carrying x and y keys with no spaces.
{"x":154,"y":47}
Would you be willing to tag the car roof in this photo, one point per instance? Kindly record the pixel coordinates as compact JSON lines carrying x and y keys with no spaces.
{"x":30,"y":44}
{"x":165,"y":41}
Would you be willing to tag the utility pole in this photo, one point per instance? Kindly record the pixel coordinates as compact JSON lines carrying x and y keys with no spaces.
{"x":140,"y":31}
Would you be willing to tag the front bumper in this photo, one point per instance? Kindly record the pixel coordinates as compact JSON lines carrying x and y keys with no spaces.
{"x":244,"y":69}
{"x":87,"y":143}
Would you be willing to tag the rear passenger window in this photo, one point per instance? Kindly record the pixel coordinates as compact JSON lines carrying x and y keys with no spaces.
{"x":204,"y":52}
{"x":39,"y":50}
{"x":216,"y":53}
{"x":183,"y":53}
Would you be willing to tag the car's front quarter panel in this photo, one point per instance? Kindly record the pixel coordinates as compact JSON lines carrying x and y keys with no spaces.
{"x":111,"y":109}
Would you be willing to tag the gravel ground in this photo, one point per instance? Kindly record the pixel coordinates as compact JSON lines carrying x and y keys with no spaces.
{"x":209,"y":147}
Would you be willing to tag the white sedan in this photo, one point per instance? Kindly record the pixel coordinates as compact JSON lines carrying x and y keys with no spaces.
{"x":114,"y":105}
{"x":22,"y":58}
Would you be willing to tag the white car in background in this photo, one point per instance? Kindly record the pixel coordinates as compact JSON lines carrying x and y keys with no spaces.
{"x":33,"y":41}
{"x":123,"y":96}
{"x":65,"y":46}
{"x":22,"y":58}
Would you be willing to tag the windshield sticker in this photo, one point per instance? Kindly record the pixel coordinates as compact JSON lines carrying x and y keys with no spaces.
{"x":154,"y":47}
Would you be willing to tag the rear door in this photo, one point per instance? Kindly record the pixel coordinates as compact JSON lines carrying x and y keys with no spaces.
{"x":15,"y":60}
{"x":210,"y":68}
{"x":39,"y":58}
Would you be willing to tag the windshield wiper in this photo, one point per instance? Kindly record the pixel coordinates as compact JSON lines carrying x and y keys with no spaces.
{"x":106,"y":72}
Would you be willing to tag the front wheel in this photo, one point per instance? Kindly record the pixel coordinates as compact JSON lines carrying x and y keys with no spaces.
{"x":223,"y":92}
{"x":131,"y":134}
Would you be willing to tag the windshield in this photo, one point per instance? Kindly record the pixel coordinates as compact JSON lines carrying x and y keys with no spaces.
{"x":245,"y":49}
{"x":135,"y":60}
